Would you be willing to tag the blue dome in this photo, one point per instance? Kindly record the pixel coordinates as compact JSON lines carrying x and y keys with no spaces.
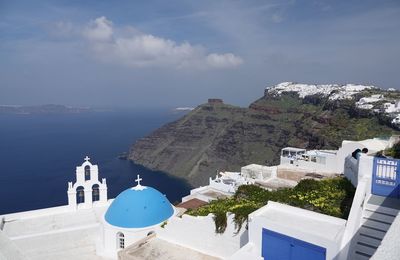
{"x":138,"y":208}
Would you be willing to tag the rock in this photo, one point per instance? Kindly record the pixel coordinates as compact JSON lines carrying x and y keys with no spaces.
{"x":216,"y":136}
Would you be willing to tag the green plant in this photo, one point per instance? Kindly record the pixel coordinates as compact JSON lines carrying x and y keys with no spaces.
{"x":220,"y":221}
{"x":394,"y":151}
{"x":331,"y":196}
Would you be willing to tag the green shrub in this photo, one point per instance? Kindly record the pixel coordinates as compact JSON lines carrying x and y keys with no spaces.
{"x":394,"y":151}
{"x":328,"y":196}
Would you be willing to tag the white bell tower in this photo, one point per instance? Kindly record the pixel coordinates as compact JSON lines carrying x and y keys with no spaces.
{"x":87,"y":191}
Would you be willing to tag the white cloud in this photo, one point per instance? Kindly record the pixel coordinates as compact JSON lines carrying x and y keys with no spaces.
{"x":136,"y":49}
{"x":99,"y":29}
{"x":223,"y":60}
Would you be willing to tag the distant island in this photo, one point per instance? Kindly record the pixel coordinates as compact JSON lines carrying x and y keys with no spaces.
{"x":42,"y":109}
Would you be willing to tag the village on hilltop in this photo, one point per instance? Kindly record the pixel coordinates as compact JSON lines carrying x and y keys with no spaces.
{"x":373,"y":99}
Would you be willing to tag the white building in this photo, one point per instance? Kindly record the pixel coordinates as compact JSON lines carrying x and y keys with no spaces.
{"x":295,"y":165}
{"x":225,"y":184}
{"x":365,"y":106}
{"x":331,"y":161}
{"x":135,"y":214}
{"x":365,"y":102}
{"x":371,"y":99}
{"x":321,"y":160}
{"x":273,"y":234}
{"x":392,"y":107}
{"x":396,"y":120}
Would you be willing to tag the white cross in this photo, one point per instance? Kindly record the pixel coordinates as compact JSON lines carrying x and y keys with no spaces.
{"x":138,"y":180}
{"x":87,"y":158}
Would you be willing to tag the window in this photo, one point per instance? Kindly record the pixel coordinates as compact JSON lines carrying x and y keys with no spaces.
{"x":95,"y":192}
{"x":120,"y":240}
{"x":87,"y":172}
{"x":80,"y":195}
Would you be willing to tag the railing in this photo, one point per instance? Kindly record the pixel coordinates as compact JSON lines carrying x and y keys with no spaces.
{"x":385,"y":171}
{"x":229,"y":188}
{"x":385,"y":177}
{"x":354,"y":219}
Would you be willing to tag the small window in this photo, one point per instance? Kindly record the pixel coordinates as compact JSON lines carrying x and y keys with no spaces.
{"x":80,"y":195}
{"x":95,"y":192}
{"x":87,"y":172}
{"x":120,"y":240}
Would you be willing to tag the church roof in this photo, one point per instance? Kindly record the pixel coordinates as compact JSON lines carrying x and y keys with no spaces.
{"x":139,"y":207}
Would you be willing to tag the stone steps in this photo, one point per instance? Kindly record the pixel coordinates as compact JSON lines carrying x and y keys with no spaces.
{"x":378,"y":215}
{"x":369,"y":240}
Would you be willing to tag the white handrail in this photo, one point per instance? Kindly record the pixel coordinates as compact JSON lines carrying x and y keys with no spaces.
{"x":354,"y":219}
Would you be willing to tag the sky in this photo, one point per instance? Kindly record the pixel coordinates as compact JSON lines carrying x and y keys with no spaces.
{"x":159,"y":53}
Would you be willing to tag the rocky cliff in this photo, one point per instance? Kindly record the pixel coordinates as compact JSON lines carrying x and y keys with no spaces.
{"x":216,"y":136}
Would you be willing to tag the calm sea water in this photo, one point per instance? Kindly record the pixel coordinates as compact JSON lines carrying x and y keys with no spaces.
{"x":39,"y":153}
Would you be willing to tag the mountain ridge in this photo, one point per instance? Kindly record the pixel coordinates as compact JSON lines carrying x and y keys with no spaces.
{"x":218,"y":136}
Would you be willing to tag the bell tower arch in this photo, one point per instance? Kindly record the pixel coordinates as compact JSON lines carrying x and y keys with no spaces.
{"x":87,"y":191}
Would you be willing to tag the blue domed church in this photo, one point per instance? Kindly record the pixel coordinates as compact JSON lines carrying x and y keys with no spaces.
{"x":135,"y":214}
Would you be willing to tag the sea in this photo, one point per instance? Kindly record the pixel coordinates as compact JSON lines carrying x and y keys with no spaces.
{"x":39,"y":154}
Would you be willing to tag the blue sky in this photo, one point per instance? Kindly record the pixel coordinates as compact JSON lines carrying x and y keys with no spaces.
{"x":179,"y":53}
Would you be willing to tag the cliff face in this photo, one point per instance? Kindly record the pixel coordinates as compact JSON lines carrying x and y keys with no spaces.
{"x":216,"y":136}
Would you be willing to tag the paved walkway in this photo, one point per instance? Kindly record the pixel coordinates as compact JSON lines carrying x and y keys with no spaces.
{"x":158,"y":249}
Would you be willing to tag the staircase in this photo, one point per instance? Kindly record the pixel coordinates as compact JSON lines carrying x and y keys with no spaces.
{"x":377,"y":217}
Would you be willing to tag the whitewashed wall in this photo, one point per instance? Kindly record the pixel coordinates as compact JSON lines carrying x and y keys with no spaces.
{"x":365,"y":166}
{"x":199,"y":234}
{"x":258,"y":222}
{"x":108,"y":246}
{"x":351,"y":170}
{"x":348,"y":147}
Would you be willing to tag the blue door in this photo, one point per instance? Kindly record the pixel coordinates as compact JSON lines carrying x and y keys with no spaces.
{"x":385,"y":177}
{"x":276,"y":246}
